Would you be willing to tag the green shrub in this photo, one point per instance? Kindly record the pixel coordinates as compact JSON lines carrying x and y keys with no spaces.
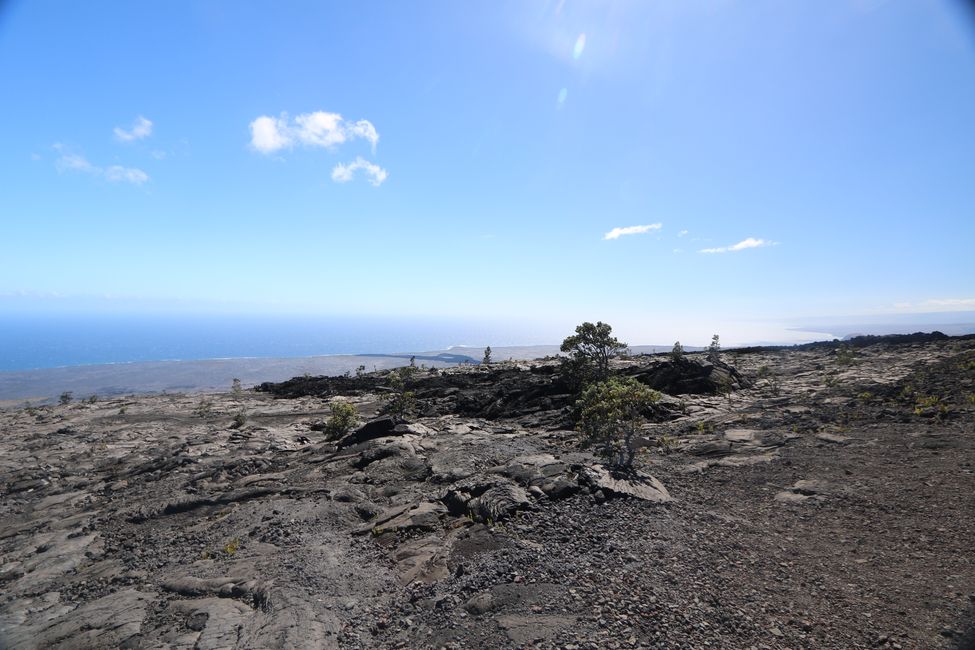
{"x":677,"y":352}
{"x":589,"y":350}
{"x":714,"y":349}
{"x":845,"y":355}
{"x":342,"y":421}
{"x":240,"y":418}
{"x":204,"y":408}
{"x":610,"y":413}
{"x":400,"y":402}
{"x":232,"y":546}
{"x":65,"y":398}
{"x":487,"y":356}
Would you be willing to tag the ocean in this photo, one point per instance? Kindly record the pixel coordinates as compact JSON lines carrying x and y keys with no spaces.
{"x":50,"y":341}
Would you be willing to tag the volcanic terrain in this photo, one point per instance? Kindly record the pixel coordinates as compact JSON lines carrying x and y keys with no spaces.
{"x":812,"y":497}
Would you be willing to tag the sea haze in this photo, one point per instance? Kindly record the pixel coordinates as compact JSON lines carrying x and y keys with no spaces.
{"x":51,"y":341}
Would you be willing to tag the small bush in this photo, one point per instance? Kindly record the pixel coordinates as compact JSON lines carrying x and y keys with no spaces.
{"x":845,"y":356}
{"x":487,"y":356}
{"x":400,"y":402}
{"x":240,"y":418}
{"x":714,"y":349}
{"x":65,"y":398}
{"x":931,"y":405}
{"x":610,"y":414}
{"x":342,"y":421}
{"x":677,"y":352}
{"x":236,"y":389}
{"x":204,"y":408}
{"x":771,"y":379}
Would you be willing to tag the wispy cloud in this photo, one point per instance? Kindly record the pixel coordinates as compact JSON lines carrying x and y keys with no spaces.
{"x":76,"y":163}
{"x":317,"y":129}
{"x":142,"y":128}
{"x":937,"y":304}
{"x":744,"y":244}
{"x":69,"y":162}
{"x":682,"y":233}
{"x":616,"y":233}
{"x":343,"y":173}
{"x":117,"y":173}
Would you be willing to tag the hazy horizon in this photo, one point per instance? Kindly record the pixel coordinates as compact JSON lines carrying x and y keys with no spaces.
{"x":37,"y":341}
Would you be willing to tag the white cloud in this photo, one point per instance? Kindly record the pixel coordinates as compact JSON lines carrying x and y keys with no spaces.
{"x":365,"y":130}
{"x":682,"y":233}
{"x":142,"y":128}
{"x":317,"y":129}
{"x":114,"y":173}
{"x":936,"y":304}
{"x":345,"y":173}
{"x":616,"y":233}
{"x":117,"y":173}
{"x":751,"y":242}
{"x":76,"y":163}
{"x":268,"y":134}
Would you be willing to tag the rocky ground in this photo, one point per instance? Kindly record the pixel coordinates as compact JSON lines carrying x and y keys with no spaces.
{"x":827,"y":500}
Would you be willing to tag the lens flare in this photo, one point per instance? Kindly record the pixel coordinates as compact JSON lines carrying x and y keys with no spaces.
{"x":580,"y":46}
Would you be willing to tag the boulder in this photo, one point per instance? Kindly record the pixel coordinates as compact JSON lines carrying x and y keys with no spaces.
{"x":633,"y":483}
{"x":379,"y":428}
{"x":486,"y":500}
{"x":692,"y":376}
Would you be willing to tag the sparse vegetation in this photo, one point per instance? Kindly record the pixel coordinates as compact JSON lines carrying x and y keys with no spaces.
{"x":342,"y":420}
{"x":705,"y":427}
{"x":487,"y":356}
{"x":677,"y":352}
{"x":667,"y":443}
{"x":726,"y":387}
{"x":771,"y":379}
{"x":714,"y":349}
{"x":400,"y":401}
{"x":610,"y":415}
{"x":240,"y":418}
{"x":236,"y":390}
{"x":931,"y":406}
{"x":232,"y":546}
{"x":845,"y":356}
{"x":589,"y":350}
{"x":204,"y":409}
{"x":65,"y":398}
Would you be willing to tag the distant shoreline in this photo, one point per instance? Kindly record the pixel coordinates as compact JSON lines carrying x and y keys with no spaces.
{"x":43,"y":385}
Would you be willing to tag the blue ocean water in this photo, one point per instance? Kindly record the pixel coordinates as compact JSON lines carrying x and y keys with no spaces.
{"x":48,"y":341}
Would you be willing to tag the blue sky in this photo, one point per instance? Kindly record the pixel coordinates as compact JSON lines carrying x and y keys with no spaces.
{"x":674,"y":168}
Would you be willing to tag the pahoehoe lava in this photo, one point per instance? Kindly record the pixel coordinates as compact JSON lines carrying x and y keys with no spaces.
{"x":810,"y":497}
